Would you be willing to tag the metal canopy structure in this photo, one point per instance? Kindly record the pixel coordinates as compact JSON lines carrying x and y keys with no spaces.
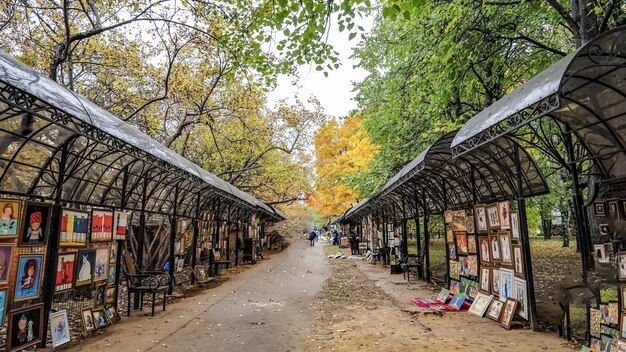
{"x":440,"y":181}
{"x":49,"y":134}
{"x":586,"y":91}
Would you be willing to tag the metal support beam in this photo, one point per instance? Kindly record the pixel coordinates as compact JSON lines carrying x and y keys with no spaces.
{"x":443,"y":218}
{"x":173,"y":225}
{"x":426,"y":240}
{"x":140,"y":235}
{"x":420,"y":269}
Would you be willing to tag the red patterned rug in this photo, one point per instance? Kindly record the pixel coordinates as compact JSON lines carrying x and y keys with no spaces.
{"x":432,"y":303}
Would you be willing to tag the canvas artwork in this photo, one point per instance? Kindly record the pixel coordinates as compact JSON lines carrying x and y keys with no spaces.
{"x":100,"y":318}
{"x":506,"y":252}
{"x":515,"y":228}
{"x":111,"y":277}
{"x":623,"y":327}
{"x":605,"y":230}
{"x":495,"y":281}
{"x":604,"y":313}
{"x":458,"y":221}
{"x":595,"y":345}
{"x":88,"y":320}
{"x":6,"y":256}
{"x":613,"y":317}
{"x":620,"y":260}
{"x":471,"y":244}
{"x":609,"y":331}
{"x":10,"y":217}
{"x":601,"y":253}
{"x":472,"y":265}
{"x":25,"y":327}
{"x":480,"y":304}
{"x":452,"y":251}
{"x":493,"y":217}
{"x":518,"y":260}
{"x":36,"y":224}
{"x":99,"y":295}
{"x":449,"y":235}
{"x":448,"y":216}
{"x":485,"y":279}
{"x":469,"y":224}
{"x":85,"y":267}
{"x":28,"y":280}
{"x":455,"y":270}
{"x":102,"y":264}
{"x":595,"y":319}
{"x":521,"y":294}
{"x":457,"y":301}
{"x":3,"y":302}
{"x":510,"y":307}
{"x":504,"y":212}
{"x":113,"y":254}
{"x":485,"y":256}
{"x":599,"y":209}
{"x":495,"y":309}
{"x":506,"y":283}
{"x":101,"y":226}
{"x":443,"y":295}
{"x":74,"y":227}
{"x":65,"y":271}
{"x":461,"y":243}
{"x":59,"y":328}
{"x":112,"y":315}
{"x":464,"y":266}
{"x":120,"y":228}
{"x":480,"y":215}
{"x":613,"y":209}
{"x":494,"y":246}
{"x":455,"y":287}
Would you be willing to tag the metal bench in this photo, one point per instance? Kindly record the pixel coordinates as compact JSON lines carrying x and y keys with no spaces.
{"x":142,"y":282}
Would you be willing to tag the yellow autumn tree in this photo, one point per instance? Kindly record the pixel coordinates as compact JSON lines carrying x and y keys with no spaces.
{"x":341,"y":149}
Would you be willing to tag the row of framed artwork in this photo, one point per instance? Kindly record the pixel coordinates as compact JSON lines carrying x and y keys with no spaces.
{"x":486,"y":218}
{"x":99,"y":318}
{"x":608,"y":325}
{"x":86,"y":266}
{"x":500,"y":311}
{"x":495,"y":249}
{"x":31,"y":222}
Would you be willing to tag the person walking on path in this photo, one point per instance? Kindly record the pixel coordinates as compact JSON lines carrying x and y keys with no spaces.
{"x":354,"y":245}
{"x":312,"y":236}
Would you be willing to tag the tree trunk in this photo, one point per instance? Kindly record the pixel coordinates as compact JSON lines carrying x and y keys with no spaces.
{"x":546,"y":226}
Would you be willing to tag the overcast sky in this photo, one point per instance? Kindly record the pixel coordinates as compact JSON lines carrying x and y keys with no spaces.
{"x":335,"y":91}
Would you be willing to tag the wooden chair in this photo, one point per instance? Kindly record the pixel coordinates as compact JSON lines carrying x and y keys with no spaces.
{"x":215,"y":262}
{"x":143,"y":282}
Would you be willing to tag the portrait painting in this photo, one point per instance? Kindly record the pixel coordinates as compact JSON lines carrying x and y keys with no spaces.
{"x":101,"y":271}
{"x":443,"y":295}
{"x":613,"y":209}
{"x":59,"y":328}
{"x":493,"y":217}
{"x":455,"y":286}
{"x":3,"y":302}
{"x":28,"y":280}
{"x":458,"y":221}
{"x":485,"y":256}
{"x":98,"y":300}
{"x":109,"y":295}
{"x":472,"y":265}
{"x":113,"y":254}
{"x":480,"y":216}
{"x":599,"y":209}
{"x":471,"y":244}
{"x":510,"y":307}
{"x":505,"y":213}
{"x":506,"y":284}
{"x":25,"y":327}
{"x":519,"y":260}
{"x":100,"y":318}
{"x":469,"y":224}
{"x":111,"y":277}
{"x":452,"y":251}
{"x":66,"y":263}
{"x":120,"y":225}
{"x":101,"y":225}
{"x":605,"y":230}
{"x":521,"y":294}
{"x":88,"y":321}
{"x":464,"y":266}
{"x":73,"y":229}
{"x":515,"y":228}
{"x":10,"y":217}
{"x":112,"y":315}
{"x":449,"y":235}
{"x":85,"y":267}
{"x":485,"y":279}
{"x":613,"y":317}
{"x":457,"y":301}
{"x":461,"y":243}
{"x":506,"y":252}
{"x":36,"y":224}
{"x":494,"y":246}
{"x":495,"y":309}
{"x":448,"y":216}
{"x":495,"y":281}
{"x":480,"y":304}
{"x":6,"y":256}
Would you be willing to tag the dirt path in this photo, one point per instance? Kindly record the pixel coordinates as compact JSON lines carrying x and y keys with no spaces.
{"x":364,"y":308}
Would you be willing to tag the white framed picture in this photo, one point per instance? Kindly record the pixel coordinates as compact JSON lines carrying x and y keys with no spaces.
{"x":521,"y":294}
{"x":506,"y":284}
{"x":480,"y":304}
{"x":59,"y":328}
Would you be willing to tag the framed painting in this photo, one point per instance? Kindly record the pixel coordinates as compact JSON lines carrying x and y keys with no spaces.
{"x":85,"y":267}
{"x":601,"y":253}
{"x":88,"y":321}
{"x":73,"y":229}
{"x":458,"y":221}
{"x":506,"y":283}
{"x":485,"y":253}
{"x":470,"y":224}
{"x":120,"y":225}
{"x":113,"y":254}
{"x":66,"y":264}
{"x":25,"y":328}
{"x":455,"y":269}
{"x":599,"y":208}
{"x":480,"y":215}
{"x":493,"y":216}
{"x":98,"y":300}
{"x":495,"y":309}
{"x":461,"y":243}
{"x":28,"y":280}
{"x":495,"y":281}
{"x":443,"y":295}
{"x":36,"y":224}
{"x":605,"y":230}
{"x":452,"y":251}
{"x":494,"y":247}
{"x":109,"y":295}
{"x":515,"y":228}
{"x":521,"y":294}
{"x":10,"y":224}
{"x":622,"y":332}
{"x":449,"y":235}
{"x":518,"y":260}
{"x":100,"y":318}
{"x":457,"y":301}
{"x":6,"y":259}
{"x":447,"y":215}
{"x":111,"y":277}
{"x":3,"y":302}
{"x":595,"y":319}
{"x":101,"y":225}
{"x":59,"y":328}
{"x":480,"y":304}
{"x":455,"y":286}
{"x":510,"y":308}
{"x":101,"y":271}
{"x":485,"y":279}
{"x":472,"y":265}
{"x":612,"y":208}
{"x":471,"y":244}
{"x":506,"y":251}
{"x":112,"y":315}
{"x":504,"y":212}
{"x":464,"y":266}
{"x":613,"y":318}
